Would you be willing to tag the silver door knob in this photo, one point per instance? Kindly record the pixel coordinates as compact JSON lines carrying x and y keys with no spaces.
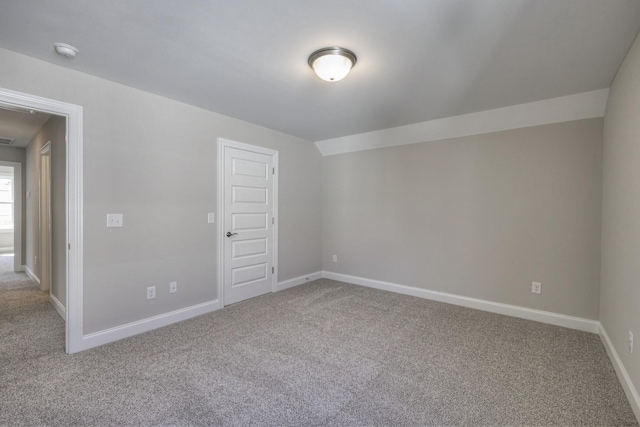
{"x":230,"y":234}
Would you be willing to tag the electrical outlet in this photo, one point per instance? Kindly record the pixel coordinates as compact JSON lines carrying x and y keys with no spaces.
{"x":114,"y":220}
{"x":151,"y":292}
{"x":335,"y":258}
{"x":536,"y":287}
{"x":630,"y":342}
{"x":173,"y":287}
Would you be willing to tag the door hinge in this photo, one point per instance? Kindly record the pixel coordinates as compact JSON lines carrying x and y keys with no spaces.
{"x":69,"y":246}
{"x":274,"y":171}
{"x":273,"y":220}
{"x":273,"y":270}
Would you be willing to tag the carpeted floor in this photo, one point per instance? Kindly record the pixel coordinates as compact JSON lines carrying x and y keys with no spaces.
{"x":324,"y":353}
{"x":29,"y":325}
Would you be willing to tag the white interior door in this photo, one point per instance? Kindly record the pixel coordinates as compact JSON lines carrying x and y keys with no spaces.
{"x":248,"y":222}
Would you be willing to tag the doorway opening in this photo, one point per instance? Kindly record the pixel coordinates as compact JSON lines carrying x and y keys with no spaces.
{"x":63,"y":271}
{"x":11,"y":213}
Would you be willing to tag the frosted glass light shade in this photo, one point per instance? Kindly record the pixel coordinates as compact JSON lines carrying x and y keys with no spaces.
{"x":332,"y":63}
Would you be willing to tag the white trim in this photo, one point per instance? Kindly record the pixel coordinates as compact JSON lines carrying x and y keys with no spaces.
{"x":74,"y":203}
{"x":134,"y":328}
{"x":47,"y":258}
{"x":571,"y":322}
{"x":46,"y":148}
{"x":58,"y":306}
{"x":581,"y":106}
{"x":623,"y":376}
{"x":17,"y":213}
{"x":222,"y":144}
{"x":286,"y":284}
{"x":31,"y":274}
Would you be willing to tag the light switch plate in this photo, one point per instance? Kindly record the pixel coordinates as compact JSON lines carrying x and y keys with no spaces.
{"x":211,"y":217}
{"x":114,"y":220}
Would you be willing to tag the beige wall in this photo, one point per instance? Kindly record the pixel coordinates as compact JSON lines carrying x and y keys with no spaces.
{"x":12,"y":154}
{"x":620,"y":288}
{"x":154,"y":160}
{"x":53,"y":130}
{"x":480,"y":216}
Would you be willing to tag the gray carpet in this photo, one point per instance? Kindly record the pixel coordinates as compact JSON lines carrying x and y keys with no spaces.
{"x":324,"y":353}
{"x":29,"y":325}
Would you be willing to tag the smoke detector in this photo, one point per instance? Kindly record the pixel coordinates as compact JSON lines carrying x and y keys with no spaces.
{"x":66,"y":50}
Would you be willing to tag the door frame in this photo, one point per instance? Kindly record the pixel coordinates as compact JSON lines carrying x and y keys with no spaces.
{"x":17,"y":213}
{"x":74,"y":204}
{"x":45,"y":276}
{"x":222,"y":144}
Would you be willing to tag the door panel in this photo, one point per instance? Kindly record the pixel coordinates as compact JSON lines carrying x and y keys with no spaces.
{"x":249,"y":195}
{"x":248,"y":275}
{"x":248,"y":213}
{"x":249,"y":221}
{"x":249,"y":247}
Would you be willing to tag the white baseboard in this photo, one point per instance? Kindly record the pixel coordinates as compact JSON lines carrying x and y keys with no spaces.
{"x":490,"y":306}
{"x":134,"y":328}
{"x":55,"y":302}
{"x":298,"y":281}
{"x":31,"y":274}
{"x":623,"y":376}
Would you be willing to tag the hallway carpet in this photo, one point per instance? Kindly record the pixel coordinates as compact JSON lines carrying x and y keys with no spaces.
{"x":29,"y":326}
{"x":325,"y":353}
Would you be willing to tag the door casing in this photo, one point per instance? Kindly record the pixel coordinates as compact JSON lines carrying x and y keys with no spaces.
{"x":222,"y":144}
{"x":45,"y":218}
{"x":74,"y":204}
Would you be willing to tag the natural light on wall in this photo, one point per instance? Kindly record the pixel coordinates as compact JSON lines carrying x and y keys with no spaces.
{"x":6,"y":202}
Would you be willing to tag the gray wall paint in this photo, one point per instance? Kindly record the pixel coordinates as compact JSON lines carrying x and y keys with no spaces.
{"x":53,"y":130}
{"x":480,"y":216}
{"x":154,"y":160}
{"x":13,"y":154}
{"x":620,"y":288}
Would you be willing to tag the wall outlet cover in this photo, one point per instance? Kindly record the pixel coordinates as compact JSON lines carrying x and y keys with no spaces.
{"x":114,"y":220}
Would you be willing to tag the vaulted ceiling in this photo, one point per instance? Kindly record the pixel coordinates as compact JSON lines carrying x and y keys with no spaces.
{"x":418,"y":60}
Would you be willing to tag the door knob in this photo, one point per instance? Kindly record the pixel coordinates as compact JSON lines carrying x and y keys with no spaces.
{"x":230,"y":234}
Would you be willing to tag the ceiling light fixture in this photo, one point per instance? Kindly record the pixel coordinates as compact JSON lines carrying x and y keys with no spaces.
{"x":66,"y":50}
{"x":332,"y":63}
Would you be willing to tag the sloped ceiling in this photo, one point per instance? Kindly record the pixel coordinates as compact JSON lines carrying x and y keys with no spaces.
{"x":418,"y":60}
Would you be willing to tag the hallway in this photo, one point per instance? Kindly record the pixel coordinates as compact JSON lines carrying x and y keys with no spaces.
{"x":29,"y":325}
